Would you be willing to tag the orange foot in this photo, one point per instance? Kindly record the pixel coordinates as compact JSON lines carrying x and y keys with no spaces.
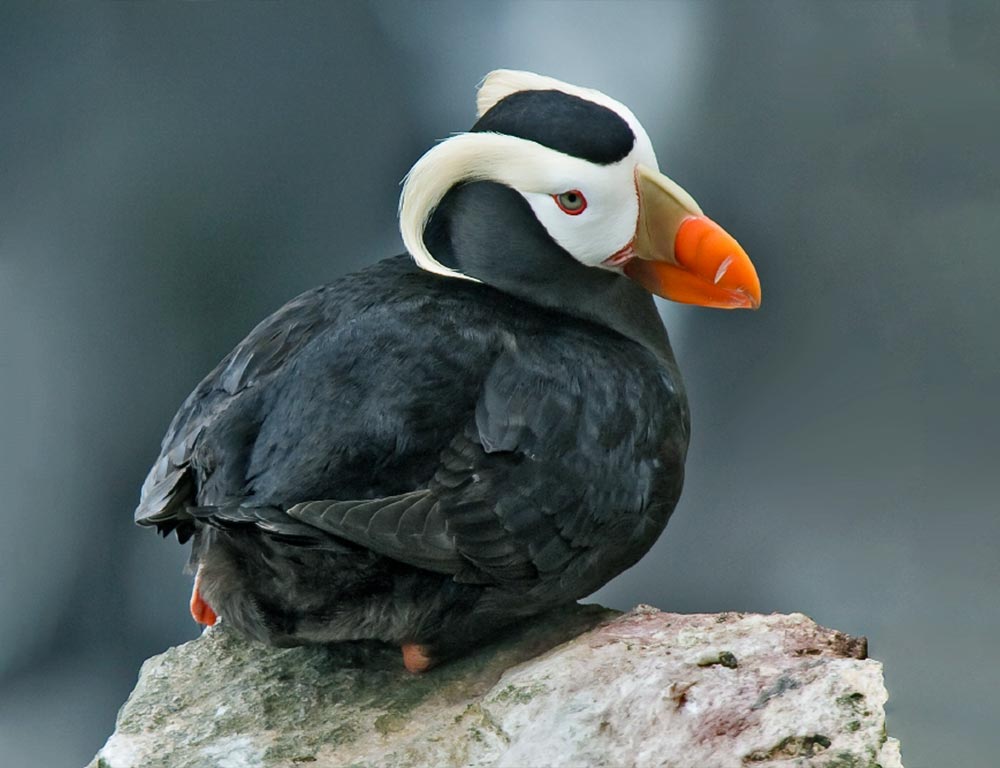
{"x":200,"y":610}
{"x":415,"y":658}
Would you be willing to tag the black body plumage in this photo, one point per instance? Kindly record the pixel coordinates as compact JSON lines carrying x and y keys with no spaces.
{"x":512,"y":457}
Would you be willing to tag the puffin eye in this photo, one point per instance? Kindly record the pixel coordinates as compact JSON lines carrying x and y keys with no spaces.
{"x":572,"y":202}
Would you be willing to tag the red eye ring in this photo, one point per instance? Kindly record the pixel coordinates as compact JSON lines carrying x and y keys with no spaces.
{"x":571,"y":202}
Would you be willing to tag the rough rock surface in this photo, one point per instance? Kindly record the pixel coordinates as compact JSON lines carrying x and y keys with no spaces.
{"x":580,"y":687}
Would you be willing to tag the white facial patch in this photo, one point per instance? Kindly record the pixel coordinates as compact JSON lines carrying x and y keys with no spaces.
{"x":607,"y":224}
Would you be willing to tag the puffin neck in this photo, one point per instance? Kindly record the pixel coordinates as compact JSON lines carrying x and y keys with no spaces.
{"x":488,"y":231}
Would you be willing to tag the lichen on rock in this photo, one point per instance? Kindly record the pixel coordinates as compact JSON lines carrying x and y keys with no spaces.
{"x":580,"y":686}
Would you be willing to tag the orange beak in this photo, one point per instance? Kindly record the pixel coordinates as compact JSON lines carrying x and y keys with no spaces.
{"x":683,"y":255}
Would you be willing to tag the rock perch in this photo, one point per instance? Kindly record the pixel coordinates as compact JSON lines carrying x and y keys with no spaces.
{"x":580,"y":687}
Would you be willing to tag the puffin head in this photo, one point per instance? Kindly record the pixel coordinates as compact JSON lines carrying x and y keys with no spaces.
{"x":555,"y":195}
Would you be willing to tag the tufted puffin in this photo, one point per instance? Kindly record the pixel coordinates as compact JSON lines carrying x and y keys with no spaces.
{"x":486,"y":427}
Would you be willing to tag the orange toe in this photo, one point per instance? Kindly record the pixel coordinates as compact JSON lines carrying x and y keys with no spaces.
{"x":200,"y":610}
{"x":415,"y":658}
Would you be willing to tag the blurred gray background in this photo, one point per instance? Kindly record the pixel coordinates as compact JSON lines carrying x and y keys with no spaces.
{"x":170,"y":174}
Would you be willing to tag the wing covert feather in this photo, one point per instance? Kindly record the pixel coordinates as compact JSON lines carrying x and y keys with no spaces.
{"x":546,"y":466}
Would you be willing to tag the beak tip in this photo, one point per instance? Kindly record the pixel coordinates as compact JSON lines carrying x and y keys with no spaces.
{"x":739,"y":298}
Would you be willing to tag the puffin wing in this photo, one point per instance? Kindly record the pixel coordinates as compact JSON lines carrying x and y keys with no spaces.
{"x":543,"y":471}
